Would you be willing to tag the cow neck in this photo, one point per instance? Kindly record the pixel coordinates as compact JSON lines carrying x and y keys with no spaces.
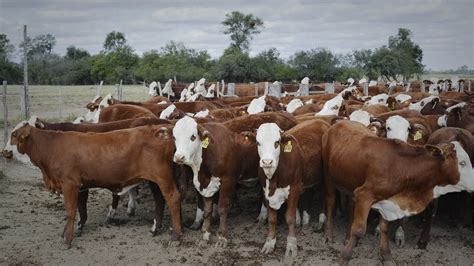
{"x":39,"y":141}
{"x":196,"y":163}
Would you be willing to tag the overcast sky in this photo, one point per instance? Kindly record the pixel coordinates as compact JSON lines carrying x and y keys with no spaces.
{"x":443,"y":28}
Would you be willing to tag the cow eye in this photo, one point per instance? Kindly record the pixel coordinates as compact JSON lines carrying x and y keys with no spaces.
{"x":389,"y":129}
{"x":462,"y":163}
{"x":276,"y":144}
{"x":174,"y":138}
{"x":258,"y":143}
{"x":193,"y":137}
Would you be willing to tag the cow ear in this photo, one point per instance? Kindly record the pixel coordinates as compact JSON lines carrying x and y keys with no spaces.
{"x":111,"y":101}
{"x":203,"y":133}
{"x":391,"y":102}
{"x":418,"y":132}
{"x":286,"y":137}
{"x":248,"y":137}
{"x":434,"y":103}
{"x":163,"y":132}
{"x":435,"y":151}
{"x":39,"y":123}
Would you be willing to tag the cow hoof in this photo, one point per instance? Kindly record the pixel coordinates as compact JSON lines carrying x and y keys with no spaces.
{"x":319,"y":227}
{"x":421,"y":244}
{"x":291,"y":247}
{"x":130,"y":211}
{"x":400,"y":237}
{"x":269,"y":245}
{"x":79,"y":229}
{"x":221,"y":242}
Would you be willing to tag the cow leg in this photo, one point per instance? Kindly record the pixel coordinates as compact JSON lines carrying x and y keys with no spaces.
{"x":400,"y":232}
{"x":82,"y":197}
{"x":306,"y":204}
{"x":350,"y":216}
{"x":206,"y":225}
{"x":226,"y":191}
{"x":262,"y":216}
{"x":363,"y":202}
{"x":159,"y":208}
{"x":112,"y":208}
{"x":330,"y":203}
{"x":321,"y":197}
{"x":425,"y":233}
{"x":132,"y":201}
{"x":384,"y":247}
{"x":269,"y":245}
{"x":199,"y":213}
{"x":70,"y":193}
{"x":292,"y":208}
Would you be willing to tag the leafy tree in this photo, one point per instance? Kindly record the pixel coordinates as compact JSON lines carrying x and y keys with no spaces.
{"x":74,"y":53}
{"x":8,"y":70}
{"x":114,"y":40}
{"x":317,"y":64}
{"x":42,"y":44}
{"x":269,"y":66}
{"x":408,"y":53}
{"x":234,"y":66}
{"x":241,"y":28}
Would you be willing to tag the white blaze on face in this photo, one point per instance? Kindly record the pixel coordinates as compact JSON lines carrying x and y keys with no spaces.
{"x":165,"y":114}
{"x":443,"y":121}
{"x":23,"y":158}
{"x":397,"y":128}
{"x":278,"y":198}
{"x":331,"y":107}
{"x":293,"y":105}
{"x":459,"y":105}
{"x":372,"y":83}
{"x":310,"y":101}
{"x":466,"y":174}
{"x":305,"y":81}
{"x":183,"y":95}
{"x":268,"y":146}
{"x":257,"y":105}
{"x":419,"y":105}
{"x":401,"y":98}
{"x":151,"y":89}
{"x":377,"y":99}
{"x":96,"y":114}
{"x":202,"y":114}
{"x":360,"y":116}
{"x":188,"y":143}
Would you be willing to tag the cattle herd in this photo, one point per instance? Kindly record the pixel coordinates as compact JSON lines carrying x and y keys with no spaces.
{"x":391,"y":151}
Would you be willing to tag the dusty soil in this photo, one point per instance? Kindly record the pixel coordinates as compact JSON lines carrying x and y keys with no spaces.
{"x":32,"y":220}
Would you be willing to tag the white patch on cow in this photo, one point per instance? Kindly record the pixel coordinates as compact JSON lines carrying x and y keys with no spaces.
{"x":350,"y":81}
{"x":377,"y":99}
{"x":269,"y":245}
{"x":443,"y":121}
{"x":401,"y":98}
{"x":278,"y":198}
{"x":322,"y":218}
{"x":391,"y":211}
{"x":199,"y":216}
{"x":194,"y":97}
{"x":331,"y":107}
{"x":202,"y":114}
{"x":297,"y":218}
{"x":310,"y":101}
{"x":267,"y":135}
{"x":210,"y":91}
{"x":183,"y":95}
{"x":132,"y":200}
{"x":96,"y":114}
{"x":111,"y":213}
{"x":372,"y":83}
{"x":165,"y":114}
{"x":211,"y":188}
{"x":459,"y":105}
{"x":466,"y":174}
{"x":151,"y":89}
{"x":153,"y":227}
{"x":167,"y":89}
{"x":306,"y":218}
{"x":305,"y":81}
{"x":293,"y":105}
{"x":420,"y":104}
{"x":360,"y":116}
{"x":257,"y":105}
{"x":188,"y":143}
{"x":162,"y":102}
{"x":433,"y":89}
{"x":127,"y":188}
{"x":397,"y":128}
{"x":206,"y":236}
{"x":78,"y":120}
{"x":262,"y":216}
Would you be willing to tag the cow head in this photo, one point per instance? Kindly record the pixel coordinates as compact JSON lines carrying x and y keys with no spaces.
{"x":269,"y":140}
{"x":166,"y":113}
{"x":11,"y":149}
{"x":332,"y":106}
{"x":433,"y":107}
{"x":360,"y":116}
{"x":420,"y":104}
{"x":257,"y":105}
{"x":377,"y":127}
{"x":188,"y":137}
{"x":455,"y":114}
{"x":397,"y":128}
{"x":152,"y":89}
{"x":377,"y":99}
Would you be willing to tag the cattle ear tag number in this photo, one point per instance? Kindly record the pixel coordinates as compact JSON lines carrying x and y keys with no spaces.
{"x":205,"y":142}
{"x":288,"y":147}
{"x":418,"y":135}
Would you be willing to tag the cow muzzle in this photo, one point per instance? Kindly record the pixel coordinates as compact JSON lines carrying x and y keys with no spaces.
{"x":266,"y":163}
{"x":7,"y":154}
{"x":179,"y":159}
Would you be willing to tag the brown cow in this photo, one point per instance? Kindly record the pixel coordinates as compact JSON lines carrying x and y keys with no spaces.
{"x":369,"y":168}
{"x":123,"y":111}
{"x":64,"y":158}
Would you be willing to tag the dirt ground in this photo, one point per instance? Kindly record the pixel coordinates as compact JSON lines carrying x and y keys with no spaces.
{"x":32,"y":220}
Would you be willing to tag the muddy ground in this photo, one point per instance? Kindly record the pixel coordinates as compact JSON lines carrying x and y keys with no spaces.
{"x":32,"y":219}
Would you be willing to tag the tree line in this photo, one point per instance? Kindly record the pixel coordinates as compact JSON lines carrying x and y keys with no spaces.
{"x":118,"y":60}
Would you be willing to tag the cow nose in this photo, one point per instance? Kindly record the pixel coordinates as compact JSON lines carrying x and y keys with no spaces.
{"x":267,"y":162}
{"x":7,"y":154}
{"x":179,"y":159}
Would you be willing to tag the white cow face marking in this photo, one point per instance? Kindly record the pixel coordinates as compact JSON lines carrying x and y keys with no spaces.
{"x":165,"y":114}
{"x":331,"y":107}
{"x":377,"y":99}
{"x":397,"y":128}
{"x":293,"y":105}
{"x":151,"y":89}
{"x":202,"y":114}
{"x":360,"y":116}
{"x":188,"y":143}
{"x":268,"y":146}
{"x":443,"y":121}
{"x":13,"y":149}
{"x":401,"y":98}
{"x":257,"y":105}
{"x":466,"y":174}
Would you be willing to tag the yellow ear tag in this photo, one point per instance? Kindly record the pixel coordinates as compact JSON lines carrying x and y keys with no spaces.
{"x":288,"y":147}
{"x":205,"y":142}
{"x":246,"y":137}
{"x":418,"y":135}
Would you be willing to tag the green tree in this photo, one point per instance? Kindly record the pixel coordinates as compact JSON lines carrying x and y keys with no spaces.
{"x":409,"y":54}
{"x":114,"y":40}
{"x":234,"y":65}
{"x":241,"y":28}
{"x":8,"y":70}
{"x":74,"y":53}
{"x":318,"y":64}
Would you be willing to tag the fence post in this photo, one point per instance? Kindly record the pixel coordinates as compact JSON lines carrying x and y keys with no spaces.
{"x":25,"y":103}
{"x":275,"y":90}
{"x":304,"y":89}
{"x":265,"y":92}
{"x":174,"y":77}
{"x":366,"y":88}
{"x":469,"y":86}
{"x":120,"y":90}
{"x":60,"y":102}
{"x":329,"y":87}
{"x":256,"y":89}
{"x":230,"y":89}
{"x":217,"y":89}
{"x":408,"y":87}
{"x":5,"y":113}
{"x":461,"y":86}
{"x":99,"y":89}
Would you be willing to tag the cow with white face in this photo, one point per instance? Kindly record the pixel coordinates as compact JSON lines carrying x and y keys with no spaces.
{"x":420,"y":104}
{"x":257,"y":105}
{"x":11,"y":151}
{"x":293,"y":105}
{"x":360,"y":116}
{"x":397,"y":128}
{"x":152,"y":89}
{"x":377,"y":99}
{"x":290,"y":164}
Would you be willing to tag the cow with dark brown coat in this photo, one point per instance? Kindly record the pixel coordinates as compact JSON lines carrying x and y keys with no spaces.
{"x":392,"y":177}
{"x":123,"y":111}
{"x":130,"y":155}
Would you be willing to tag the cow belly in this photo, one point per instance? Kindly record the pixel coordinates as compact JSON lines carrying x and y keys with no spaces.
{"x":390,"y":210}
